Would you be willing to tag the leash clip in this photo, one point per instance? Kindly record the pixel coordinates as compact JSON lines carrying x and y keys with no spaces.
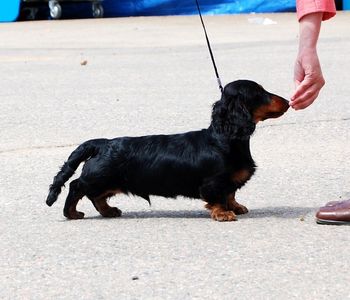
{"x":220,"y":85}
{"x":209,"y":48}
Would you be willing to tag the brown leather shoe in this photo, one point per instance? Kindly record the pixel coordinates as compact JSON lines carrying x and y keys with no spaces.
{"x":334,"y":213}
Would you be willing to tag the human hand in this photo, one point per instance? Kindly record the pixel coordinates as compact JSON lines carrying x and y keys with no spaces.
{"x":308,"y":79}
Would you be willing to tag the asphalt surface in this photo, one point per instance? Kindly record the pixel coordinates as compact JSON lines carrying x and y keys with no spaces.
{"x":68,"y":81}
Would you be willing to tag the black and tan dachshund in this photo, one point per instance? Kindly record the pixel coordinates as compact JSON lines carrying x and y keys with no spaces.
{"x":210,"y":164}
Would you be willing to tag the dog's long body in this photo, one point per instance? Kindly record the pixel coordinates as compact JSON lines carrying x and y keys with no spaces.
{"x":210,"y":164}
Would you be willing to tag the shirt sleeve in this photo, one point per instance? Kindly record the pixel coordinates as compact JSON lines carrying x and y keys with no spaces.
{"x":305,"y":7}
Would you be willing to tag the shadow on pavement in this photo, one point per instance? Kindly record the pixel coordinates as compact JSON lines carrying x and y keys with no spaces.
{"x":284,"y":212}
{"x":171,"y":214}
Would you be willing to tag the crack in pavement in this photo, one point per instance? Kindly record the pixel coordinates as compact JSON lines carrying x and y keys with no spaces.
{"x":37,"y":148}
{"x":75,"y":145}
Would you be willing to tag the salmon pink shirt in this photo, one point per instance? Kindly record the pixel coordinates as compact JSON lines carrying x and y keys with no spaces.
{"x":305,"y":7}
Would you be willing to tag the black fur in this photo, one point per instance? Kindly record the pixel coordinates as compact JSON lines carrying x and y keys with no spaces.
{"x":196,"y":164}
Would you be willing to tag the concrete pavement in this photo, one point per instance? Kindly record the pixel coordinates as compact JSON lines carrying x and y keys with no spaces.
{"x":154,"y":75}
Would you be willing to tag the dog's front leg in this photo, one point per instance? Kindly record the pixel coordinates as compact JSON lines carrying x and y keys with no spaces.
{"x":238,"y":208}
{"x":216,"y":192}
{"x":239,"y":179}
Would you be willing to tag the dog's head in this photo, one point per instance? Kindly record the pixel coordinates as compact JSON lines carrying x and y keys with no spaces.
{"x":242,"y":105}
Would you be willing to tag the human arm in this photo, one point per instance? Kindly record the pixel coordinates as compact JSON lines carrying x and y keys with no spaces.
{"x":308,"y":76}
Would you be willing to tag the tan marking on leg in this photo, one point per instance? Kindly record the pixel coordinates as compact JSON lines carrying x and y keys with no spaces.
{"x":220,"y":213}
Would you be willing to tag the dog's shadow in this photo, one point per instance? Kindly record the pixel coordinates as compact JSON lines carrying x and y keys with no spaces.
{"x":283,"y":212}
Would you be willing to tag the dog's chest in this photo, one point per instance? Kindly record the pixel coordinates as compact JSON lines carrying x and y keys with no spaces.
{"x":241,"y":163}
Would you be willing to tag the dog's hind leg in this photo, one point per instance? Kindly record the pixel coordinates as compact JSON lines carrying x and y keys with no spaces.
{"x":103,"y":208}
{"x":74,"y":195}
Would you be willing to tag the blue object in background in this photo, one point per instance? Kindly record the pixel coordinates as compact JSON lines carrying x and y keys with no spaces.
{"x":127,"y":8}
{"x":346,"y":4}
{"x":9,"y":10}
{"x":114,"y":8}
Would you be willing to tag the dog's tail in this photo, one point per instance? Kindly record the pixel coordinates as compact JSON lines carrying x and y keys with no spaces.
{"x":82,"y":153}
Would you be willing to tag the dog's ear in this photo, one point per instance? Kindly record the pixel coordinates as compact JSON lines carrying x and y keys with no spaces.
{"x":231,"y":117}
{"x":218,"y":116}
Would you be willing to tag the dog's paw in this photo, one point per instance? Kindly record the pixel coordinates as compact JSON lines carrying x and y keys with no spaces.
{"x":218,"y":213}
{"x":240,"y":209}
{"x":224,"y":216}
{"x":112,"y":212}
{"x":75,"y":215}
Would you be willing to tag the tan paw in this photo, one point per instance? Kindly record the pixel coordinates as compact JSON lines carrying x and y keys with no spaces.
{"x":224,"y":216}
{"x":219,"y":213}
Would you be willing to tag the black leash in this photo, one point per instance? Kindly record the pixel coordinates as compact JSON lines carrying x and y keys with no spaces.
{"x":210,"y":51}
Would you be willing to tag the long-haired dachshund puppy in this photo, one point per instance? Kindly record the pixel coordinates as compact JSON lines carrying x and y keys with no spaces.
{"x":210,"y":164}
